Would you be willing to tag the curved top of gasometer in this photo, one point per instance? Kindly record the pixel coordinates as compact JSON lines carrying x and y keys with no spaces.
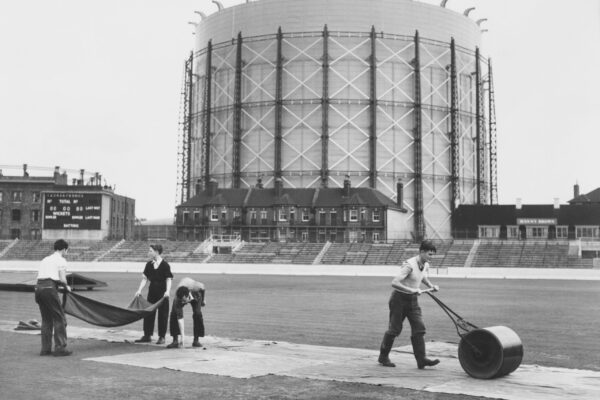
{"x":398,"y":17}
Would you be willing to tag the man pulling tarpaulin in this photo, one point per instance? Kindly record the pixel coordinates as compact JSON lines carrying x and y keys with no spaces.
{"x":102,"y":314}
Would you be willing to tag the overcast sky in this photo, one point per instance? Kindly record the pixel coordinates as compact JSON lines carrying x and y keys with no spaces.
{"x":96,"y":85}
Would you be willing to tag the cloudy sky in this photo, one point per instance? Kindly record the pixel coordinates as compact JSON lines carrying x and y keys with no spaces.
{"x":96,"y":85}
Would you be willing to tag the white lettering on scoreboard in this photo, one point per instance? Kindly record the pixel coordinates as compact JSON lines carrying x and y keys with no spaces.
{"x":72,"y":210}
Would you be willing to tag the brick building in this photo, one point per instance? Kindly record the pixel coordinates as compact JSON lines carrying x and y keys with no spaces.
{"x":48,"y":207}
{"x":291,"y":214}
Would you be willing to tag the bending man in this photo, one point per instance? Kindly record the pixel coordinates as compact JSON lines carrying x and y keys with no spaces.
{"x":404,"y":304}
{"x":188,"y":291}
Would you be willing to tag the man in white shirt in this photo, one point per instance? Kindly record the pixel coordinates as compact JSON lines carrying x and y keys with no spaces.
{"x":404,"y":305}
{"x":51,"y":274}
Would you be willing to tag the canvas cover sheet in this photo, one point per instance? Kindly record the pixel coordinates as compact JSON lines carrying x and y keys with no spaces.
{"x":102,"y":314}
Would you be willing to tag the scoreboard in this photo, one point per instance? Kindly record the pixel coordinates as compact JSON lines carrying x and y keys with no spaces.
{"x":72,"y":211}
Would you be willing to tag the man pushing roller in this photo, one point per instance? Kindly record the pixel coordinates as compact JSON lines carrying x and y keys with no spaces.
{"x":404,"y":304}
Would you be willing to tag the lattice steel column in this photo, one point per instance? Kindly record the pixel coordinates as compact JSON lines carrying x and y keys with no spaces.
{"x":493,"y":144}
{"x":454,"y":126}
{"x":373,"y":112}
{"x":237,"y":114}
{"x":207,"y":114}
{"x":188,"y":133}
{"x":185,"y":135}
{"x":325,"y":112}
{"x":479,"y":130}
{"x":278,"y":104}
{"x":418,"y":168}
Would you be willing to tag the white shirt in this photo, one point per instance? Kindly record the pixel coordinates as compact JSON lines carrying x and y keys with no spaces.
{"x":51,"y":265}
{"x":410,"y":274}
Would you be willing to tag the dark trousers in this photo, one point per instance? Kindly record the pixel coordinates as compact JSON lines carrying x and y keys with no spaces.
{"x":405,"y":306}
{"x":53,"y":316}
{"x":163,"y":316}
{"x":196,"y":317}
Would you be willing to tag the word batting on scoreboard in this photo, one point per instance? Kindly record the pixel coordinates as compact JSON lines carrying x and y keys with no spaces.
{"x":72,"y":211}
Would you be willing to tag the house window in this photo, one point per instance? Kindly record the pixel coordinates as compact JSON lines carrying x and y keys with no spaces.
{"x":322,"y":218}
{"x":376,"y":236}
{"x":363,"y":215}
{"x":223,"y":215}
{"x":34,"y":234}
{"x":292,"y":214}
{"x":586,"y":231}
{"x":186,"y":217}
{"x":562,"y":232}
{"x":305,"y":216}
{"x":492,"y":231}
{"x":333,"y":217}
{"x":263,"y":217}
{"x":196,"y":217}
{"x":537,"y":232}
{"x":36,"y":197}
{"x":353,"y":236}
{"x":305,"y":236}
{"x":253,"y":217}
{"x":353,"y":215}
{"x":376,"y":215}
{"x":17,"y":195}
{"x":35,"y":215}
{"x":283,"y":214}
{"x":16,"y":215}
{"x":214,"y":214}
{"x":15,"y":233}
{"x":512,"y":232}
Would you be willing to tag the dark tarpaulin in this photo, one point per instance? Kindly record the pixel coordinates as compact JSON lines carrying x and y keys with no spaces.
{"x":102,"y":314}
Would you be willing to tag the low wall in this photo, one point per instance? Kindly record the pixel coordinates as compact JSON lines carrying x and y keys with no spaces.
{"x":315,"y":270}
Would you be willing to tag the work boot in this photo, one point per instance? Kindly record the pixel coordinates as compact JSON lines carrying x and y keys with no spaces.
{"x":418,"y":344}
{"x":143,"y":339}
{"x":62,"y":353}
{"x":175,"y":345}
{"x":161,"y":340}
{"x":384,"y":350}
{"x":196,"y":343}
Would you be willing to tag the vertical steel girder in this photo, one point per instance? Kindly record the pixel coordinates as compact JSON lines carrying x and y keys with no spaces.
{"x":454,"y":126}
{"x":325,"y":112}
{"x":373,"y":112}
{"x":184,"y":154}
{"x":479,"y":119}
{"x":237,"y":114}
{"x":207,"y":114}
{"x":418,"y":167}
{"x":493,"y":144}
{"x":278,"y":104}
{"x":188,"y":156}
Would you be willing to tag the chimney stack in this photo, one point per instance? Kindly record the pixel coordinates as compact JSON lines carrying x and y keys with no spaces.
{"x":278,"y":187}
{"x":400,"y":193}
{"x":576,"y":190}
{"x":347,"y":186}
{"x":25,"y":173}
{"x":556,"y":203}
{"x":519,"y":205}
{"x":259,"y":184}
{"x":212,"y":187}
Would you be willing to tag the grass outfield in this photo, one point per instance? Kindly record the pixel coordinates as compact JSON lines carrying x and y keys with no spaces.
{"x":558,"y":321}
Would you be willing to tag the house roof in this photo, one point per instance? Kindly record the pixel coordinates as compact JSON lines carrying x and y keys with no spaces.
{"x":297,"y":197}
{"x":591,"y":197}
